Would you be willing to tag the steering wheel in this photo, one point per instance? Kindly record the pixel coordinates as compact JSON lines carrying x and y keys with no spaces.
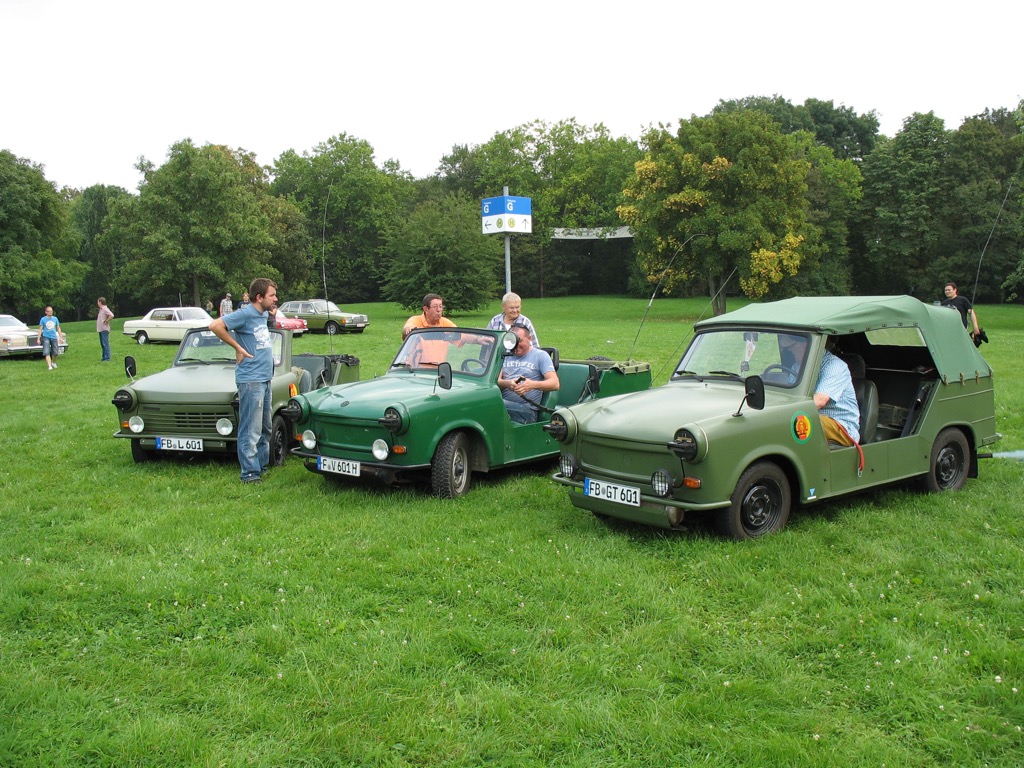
{"x":472,"y":362}
{"x":779,"y":367}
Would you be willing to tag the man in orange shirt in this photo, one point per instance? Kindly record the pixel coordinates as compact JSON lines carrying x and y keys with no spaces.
{"x":432,"y":317}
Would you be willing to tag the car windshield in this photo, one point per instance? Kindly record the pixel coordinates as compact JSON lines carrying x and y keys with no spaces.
{"x":204,"y":347}
{"x":322,"y":307}
{"x":193,"y":313}
{"x":467,"y":351}
{"x":778,"y":358}
{"x":11,"y":322}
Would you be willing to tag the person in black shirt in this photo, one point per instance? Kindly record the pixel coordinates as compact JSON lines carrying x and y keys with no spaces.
{"x":962,"y":305}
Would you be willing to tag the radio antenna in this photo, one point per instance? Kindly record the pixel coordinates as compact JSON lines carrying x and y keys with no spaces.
{"x":661,"y":279}
{"x":977,"y":274}
{"x":323,"y":262}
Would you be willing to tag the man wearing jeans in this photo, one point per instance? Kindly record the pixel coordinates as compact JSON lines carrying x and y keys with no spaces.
{"x":103,"y":318}
{"x":254,"y":369}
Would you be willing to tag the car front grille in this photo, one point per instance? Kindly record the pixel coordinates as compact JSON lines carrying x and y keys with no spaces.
{"x":171,"y":421}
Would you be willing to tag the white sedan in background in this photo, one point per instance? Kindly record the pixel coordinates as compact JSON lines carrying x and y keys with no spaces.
{"x":16,"y":338}
{"x":166,"y":324}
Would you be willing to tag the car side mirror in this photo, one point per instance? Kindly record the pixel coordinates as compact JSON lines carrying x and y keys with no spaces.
{"x":129,"y":366}
{"x":444,"y":375}
{"x":753,"y":387}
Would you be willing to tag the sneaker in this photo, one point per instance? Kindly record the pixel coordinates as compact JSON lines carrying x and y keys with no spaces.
{"x":49,"y":367}
{"x":252,"y":480}
{"x":53,"y":366}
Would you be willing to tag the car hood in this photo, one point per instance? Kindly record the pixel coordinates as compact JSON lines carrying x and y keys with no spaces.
{"x":655,"y":414}
{"x":188,"y":384}
{"x":368,"y":399}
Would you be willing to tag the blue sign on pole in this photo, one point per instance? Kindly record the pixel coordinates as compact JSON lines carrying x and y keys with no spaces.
{"x":507,"y":215}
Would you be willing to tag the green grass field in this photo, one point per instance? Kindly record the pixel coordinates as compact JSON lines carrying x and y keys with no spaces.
{"x":166,"y":615}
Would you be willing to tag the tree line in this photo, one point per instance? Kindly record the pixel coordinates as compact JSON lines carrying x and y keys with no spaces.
{"x":760,"y":197}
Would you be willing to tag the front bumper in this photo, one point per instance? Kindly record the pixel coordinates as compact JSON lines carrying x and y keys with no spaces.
{"x":382,"y":472}
{"x":653,"y":510}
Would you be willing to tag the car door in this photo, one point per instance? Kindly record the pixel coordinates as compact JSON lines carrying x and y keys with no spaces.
{"x":162,"y":323}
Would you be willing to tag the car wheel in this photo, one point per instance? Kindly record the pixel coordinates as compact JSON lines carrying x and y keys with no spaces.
{"x":332,"y":328}
{"x":140,"y":454}
{"x":760,"y":504}
{"x":279,"y":442}
{"x":141,"y":337}
{"x":450,"y":471}
{"x":950,"y":462}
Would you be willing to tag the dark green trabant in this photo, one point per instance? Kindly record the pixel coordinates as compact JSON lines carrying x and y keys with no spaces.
{"x":746,"y":448}
{"x":438,"y":415}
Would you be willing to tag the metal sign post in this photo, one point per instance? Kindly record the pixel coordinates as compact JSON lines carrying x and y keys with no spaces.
{"x":507,"y":215}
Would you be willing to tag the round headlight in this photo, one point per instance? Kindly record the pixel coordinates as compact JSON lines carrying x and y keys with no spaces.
{"x":662,"y":483}
{"x":684,"y":445}
{"x":562,"y":426}
{"x":392,"y":420}
{"x":309,"y":439}
{"x":380,"y":449}
{"x":294,"y":410}
{"x":568,"y":465}
{"x":124,"y":400}
{"x":224,"y":427}
{"x":136,"y":424}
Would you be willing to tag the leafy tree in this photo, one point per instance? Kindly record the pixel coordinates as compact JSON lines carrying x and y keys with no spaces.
{"x":725,"y":194}
{"x":905,"y":186}
{"x":850,"y":136}
{"x":89,"y":212}
{"x":438,"y":248}
{"x":38,"y":246}
{"x":1014,"y":282}
{"x":574,"y":175}
{"x":833,"y":191}
{"x":979,"y":248}
{"x":201,"y":224}
{"x":349,"y":204}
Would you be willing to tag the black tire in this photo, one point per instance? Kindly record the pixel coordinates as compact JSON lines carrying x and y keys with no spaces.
{"x":140,"y":454}
{"x":142,"y":337}
{"x":950,"y":462}
{"x":760,"y":504}
{"x":450,"y":472}
{"x":332,"y":328}
{"x":279,"y":439}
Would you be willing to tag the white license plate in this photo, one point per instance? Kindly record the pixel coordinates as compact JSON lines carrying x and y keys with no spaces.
{"x":179,"y":444}
{"x":337,"y":466}
{"x":620,"y":494}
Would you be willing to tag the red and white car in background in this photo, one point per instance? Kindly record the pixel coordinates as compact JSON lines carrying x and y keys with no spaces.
{"x":296,"y":325}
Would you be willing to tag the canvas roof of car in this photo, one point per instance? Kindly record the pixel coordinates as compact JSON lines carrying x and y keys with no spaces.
{"x":948,"y":342}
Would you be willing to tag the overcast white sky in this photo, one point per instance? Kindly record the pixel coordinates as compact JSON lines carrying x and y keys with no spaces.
{"x":87,"y":87}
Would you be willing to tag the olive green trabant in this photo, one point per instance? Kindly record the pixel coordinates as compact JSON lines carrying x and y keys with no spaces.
{"x":735,"y":432}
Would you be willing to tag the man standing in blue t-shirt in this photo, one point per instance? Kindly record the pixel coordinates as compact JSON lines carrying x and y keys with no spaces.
{"x":49,"y":335}
{"x":254,"y":369}
{"x":525,"y":375}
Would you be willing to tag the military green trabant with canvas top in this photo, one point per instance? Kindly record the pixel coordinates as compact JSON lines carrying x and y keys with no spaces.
{"x":437,"y":415}
{"x":735,"y":432}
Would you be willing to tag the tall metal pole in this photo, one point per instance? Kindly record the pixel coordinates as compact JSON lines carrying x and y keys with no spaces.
{"x":508,"y":254}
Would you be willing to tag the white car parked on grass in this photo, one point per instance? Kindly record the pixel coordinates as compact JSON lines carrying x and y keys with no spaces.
{"x":167,"y":324}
